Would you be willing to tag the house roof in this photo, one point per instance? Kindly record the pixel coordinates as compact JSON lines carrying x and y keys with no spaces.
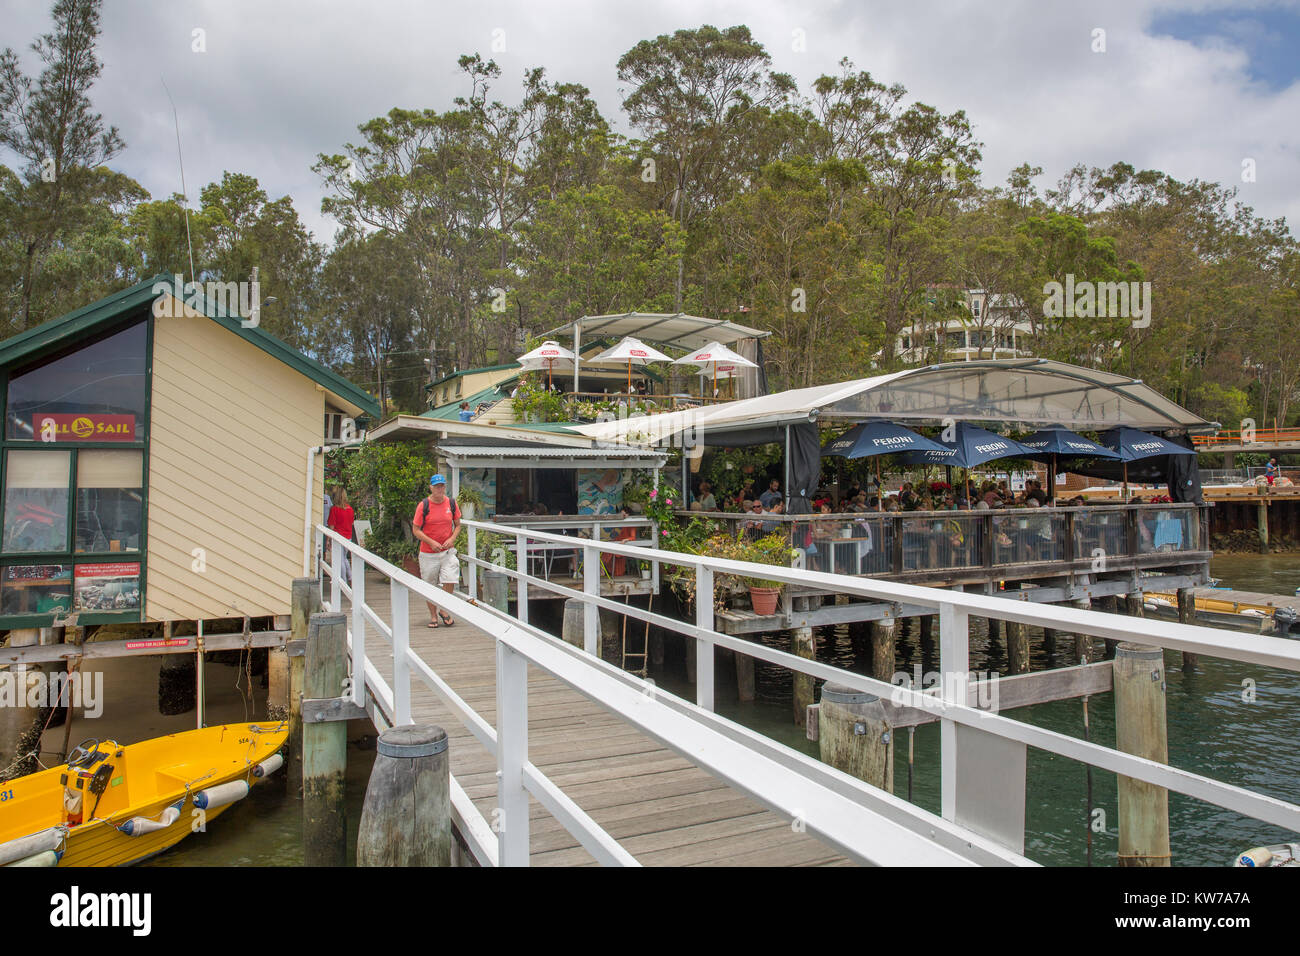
{"x":68,"y":329}
{"x":474,"y":371}
{"x":451,"y":410}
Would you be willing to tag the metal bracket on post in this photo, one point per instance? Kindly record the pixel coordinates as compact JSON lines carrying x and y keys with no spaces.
{"x":317,"y":710}
{"x":296,"y":648}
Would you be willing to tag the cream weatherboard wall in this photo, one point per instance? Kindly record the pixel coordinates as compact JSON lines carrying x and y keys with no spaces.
{"x":229,"y":431}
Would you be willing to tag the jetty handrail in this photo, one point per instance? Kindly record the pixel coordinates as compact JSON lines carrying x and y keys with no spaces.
{"x":852,"y":817}
{"x":951,"y":705}
{"x":906,"y":543}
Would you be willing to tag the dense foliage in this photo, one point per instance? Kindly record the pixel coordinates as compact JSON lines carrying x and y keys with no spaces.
{"x":834,"y":216}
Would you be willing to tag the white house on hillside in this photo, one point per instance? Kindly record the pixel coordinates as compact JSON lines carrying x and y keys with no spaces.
{"x":996,"y":327}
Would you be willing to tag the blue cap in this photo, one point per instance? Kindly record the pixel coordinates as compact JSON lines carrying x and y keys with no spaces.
{"x":437,"y":480}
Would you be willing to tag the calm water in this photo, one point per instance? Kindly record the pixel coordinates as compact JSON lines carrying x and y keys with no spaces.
{"x":1211,"y":731}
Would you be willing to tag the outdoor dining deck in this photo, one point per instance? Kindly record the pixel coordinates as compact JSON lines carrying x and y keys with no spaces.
{"x":930,"y":546}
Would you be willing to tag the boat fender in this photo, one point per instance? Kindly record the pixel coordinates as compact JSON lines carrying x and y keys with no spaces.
{"x":1259,"y":856}
{"x":139,"y":826}
{"x":221,"y":795}
{"x":268,"y":766}
{"x":47,"y":858}
{"x":23,"y":847}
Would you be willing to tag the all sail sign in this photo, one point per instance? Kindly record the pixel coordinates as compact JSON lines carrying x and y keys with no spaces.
{"x":63,"y":427}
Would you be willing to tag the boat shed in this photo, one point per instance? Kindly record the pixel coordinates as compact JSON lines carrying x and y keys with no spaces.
{"x":158,"y":462}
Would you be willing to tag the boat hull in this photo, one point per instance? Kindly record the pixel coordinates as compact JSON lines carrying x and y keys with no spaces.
{"x":147,"y":779}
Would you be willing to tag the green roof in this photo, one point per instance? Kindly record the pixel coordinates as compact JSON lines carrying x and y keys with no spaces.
{"x":473,"y":371}
{"x":68,"y":329}
{"x":451,"y":411}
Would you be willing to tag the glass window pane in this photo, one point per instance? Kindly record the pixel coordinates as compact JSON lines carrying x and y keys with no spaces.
{"x":110,"y":500}
{"x":35,"y":589}
{"x":93,"y":394}
{"x":36,"y":501}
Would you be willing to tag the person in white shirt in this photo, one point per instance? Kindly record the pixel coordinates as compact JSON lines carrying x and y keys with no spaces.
{"x":706,"y":500}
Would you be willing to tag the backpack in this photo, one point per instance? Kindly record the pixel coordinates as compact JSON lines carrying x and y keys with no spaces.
{"x":424,"y":507}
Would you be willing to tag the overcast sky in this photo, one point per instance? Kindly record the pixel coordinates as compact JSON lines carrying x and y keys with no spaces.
{"x":1190,"y":88}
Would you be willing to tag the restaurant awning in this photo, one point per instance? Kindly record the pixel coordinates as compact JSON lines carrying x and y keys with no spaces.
{"x":1028,"y":391}
{"x":483,"y":456}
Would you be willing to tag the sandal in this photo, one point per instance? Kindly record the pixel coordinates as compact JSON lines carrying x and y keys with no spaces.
{"x":433,"y":623}
{"x":446,"y":619}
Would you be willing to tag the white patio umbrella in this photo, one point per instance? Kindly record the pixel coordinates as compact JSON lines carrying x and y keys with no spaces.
{"x":546,"y":356}
{"x":719,"y":359}
{"x":633,"y":352}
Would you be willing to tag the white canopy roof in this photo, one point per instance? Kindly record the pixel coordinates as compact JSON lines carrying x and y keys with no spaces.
{"x":674,"y":330}
{"x":1025,"y":391}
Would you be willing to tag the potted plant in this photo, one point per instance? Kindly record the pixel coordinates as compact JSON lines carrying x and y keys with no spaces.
{"x":470,"y":500}
{"x":770,"y":549}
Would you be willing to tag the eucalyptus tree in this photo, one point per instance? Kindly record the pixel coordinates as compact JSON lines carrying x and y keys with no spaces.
{"x":49,"y":123}
{"x":689,"y":94}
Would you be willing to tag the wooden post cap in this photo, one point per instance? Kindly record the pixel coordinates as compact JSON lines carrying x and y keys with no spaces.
{"x":1139,"y":652}
{"x":420,"y":740}
{"x":840,"y":694}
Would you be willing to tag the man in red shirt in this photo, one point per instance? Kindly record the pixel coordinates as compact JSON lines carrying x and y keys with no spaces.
{"x":436,"y":524}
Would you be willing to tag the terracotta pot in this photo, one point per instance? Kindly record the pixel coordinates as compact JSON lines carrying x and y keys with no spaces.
{"x":764,"y":600}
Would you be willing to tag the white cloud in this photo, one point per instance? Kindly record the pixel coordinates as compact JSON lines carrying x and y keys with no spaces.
{"x":281,"y":82}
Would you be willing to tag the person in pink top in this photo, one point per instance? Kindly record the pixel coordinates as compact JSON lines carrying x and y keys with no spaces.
{"x":340,"y":522}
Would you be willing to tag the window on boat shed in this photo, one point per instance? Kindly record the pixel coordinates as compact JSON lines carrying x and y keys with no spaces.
{"x":73,"y":456}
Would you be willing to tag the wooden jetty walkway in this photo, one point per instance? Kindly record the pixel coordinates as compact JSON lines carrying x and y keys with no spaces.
{"x":605,"y":768}
{"x":664,"y":810}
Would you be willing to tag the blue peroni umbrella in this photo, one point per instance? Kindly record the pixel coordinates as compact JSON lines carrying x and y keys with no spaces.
{"x":971,"y":446}
{"x":867,"y":439}
{"x":872,"y":439}
{"x":1133,"y":445}
{"x":1053,"y":443}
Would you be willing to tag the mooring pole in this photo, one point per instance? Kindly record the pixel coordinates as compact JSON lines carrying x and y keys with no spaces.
{"x":1087,"y":768}
{"x":1140,"y":729}
{"x":911,"y":756}
{"x":856,"y":736}
{"x":199,"y":690}
{"x":406,"y":817}
{"x":883,"y":635}
{"x":802,"y":645}
{"x":1187,"y":615}
{"x":1017,"y":647}
{"x":324,"y":745}
{"x":305,"y":601}
{"x":1083,"y":642}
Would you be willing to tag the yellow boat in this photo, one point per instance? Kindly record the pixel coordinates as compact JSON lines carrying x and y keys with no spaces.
{"x":112,"y":805}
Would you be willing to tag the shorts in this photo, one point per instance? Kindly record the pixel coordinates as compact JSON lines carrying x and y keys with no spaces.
{"x":440,"y":567}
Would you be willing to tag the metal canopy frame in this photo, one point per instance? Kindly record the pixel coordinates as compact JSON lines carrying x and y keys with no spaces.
{"x":935,"y":392}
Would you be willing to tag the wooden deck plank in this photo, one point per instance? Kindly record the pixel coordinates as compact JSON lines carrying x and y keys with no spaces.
{"x":662,"y":808}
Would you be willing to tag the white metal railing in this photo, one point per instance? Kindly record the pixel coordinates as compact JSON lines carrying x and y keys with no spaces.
{"x":949,"y":702}
{"x":574,"y":529}
{"x":866,"y":824}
